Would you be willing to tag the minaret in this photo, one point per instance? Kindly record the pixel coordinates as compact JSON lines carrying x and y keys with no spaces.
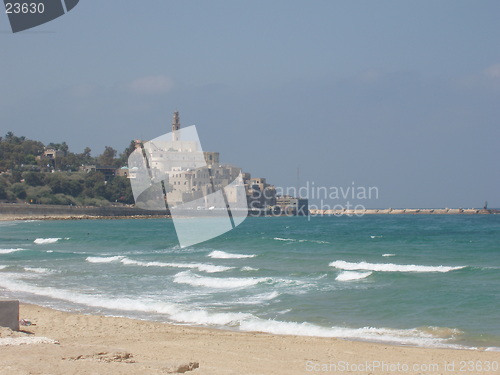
{"x":176,"y":125}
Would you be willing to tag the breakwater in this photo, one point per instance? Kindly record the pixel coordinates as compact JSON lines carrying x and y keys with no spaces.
{"x":406,"y":211}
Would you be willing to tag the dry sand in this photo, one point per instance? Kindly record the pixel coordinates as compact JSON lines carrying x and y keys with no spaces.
{"x":85,"y":344}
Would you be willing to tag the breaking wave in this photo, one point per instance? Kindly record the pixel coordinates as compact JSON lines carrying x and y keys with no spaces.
{"x":104,"y":259}
{"x":258,"y":298}
{"x":352,"y":275}
{"x":187,"y":277}
{"x":38,"y":270}
{"x":389,"y":267}
{"x":401,"y":336}
{"x":210,"y":268}
{"x":223,"y":255}
{"x":42,"y":241}
{"x":247,"y":268}
{"x":238,"y":320}
{"x":8,"y":251}
{"x":284,"y":239}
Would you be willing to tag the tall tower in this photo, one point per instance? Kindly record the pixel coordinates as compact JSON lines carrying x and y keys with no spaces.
{"x":176,"y":125}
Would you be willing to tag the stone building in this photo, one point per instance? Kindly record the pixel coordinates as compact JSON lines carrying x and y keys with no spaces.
{"x":189,"y":173}
{"x":292,"y":206}
{"x":260,"y":194}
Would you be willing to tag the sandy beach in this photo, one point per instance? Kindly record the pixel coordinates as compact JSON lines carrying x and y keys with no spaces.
{"x":85,"y":344}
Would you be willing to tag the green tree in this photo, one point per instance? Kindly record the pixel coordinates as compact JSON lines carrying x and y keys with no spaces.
{"x":3,"y":192}
{"x":119,"y":190}
{"x":94,"y":186}
{"x":126,"y":153}
{"x":19,"y":191}
{"x":33,"y":178}
{"x":71,"y":162}
{"x":107,"y":158}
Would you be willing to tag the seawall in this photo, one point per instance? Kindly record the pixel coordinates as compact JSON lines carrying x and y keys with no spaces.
{"x":16,"y":211}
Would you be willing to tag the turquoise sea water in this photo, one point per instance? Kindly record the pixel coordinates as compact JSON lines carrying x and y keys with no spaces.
{"x":412,"y":280}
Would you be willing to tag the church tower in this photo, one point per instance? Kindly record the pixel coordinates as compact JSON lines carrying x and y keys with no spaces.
{"x":176,"y":125}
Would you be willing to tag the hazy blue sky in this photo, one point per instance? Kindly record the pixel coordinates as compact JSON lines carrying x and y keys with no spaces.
{"x":402,"y":95}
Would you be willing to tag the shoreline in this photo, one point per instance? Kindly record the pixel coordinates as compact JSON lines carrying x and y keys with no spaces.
{"x":318,"y":213}
{"x":19,"y":211}
{"x":78,"y":217}
{"x":112,"y":345}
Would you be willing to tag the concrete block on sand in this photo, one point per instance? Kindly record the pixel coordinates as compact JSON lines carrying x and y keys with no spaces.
{"x":9,"y":313}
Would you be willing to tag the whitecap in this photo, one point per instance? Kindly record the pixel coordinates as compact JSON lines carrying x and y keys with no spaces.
{"x":223,"y":255}
{"x":104,"y":259}
{"x":284,"y":239}
{"x":352,"y":275}
{"x":247,"y":268}
{"x":42,"y":241}
{"x":8,"y":251}
{"x":314,"y":241}
{"x":389,"y":267}
{"x":388,"y":255}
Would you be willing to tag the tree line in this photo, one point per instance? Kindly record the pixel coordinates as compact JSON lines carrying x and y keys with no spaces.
{"x":26,"y":175}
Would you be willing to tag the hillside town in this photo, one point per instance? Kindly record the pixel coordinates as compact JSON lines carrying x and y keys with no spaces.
{"x":33,"y":173}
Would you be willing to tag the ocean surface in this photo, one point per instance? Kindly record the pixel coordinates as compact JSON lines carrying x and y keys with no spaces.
{"x":429,"y":281}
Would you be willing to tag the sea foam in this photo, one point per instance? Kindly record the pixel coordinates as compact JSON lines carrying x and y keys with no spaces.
{"x":352,"y":275}
{"x":210,"y":268}
{"x":389,"y":267}
{"x":38,"y":270}
{"x":124,"y":304}
{"x":223,"y":255}
{"x":187,"y":277}
{"x":240,"y":320}
{"x":400,"y":336}
{"x":42,"y":241}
